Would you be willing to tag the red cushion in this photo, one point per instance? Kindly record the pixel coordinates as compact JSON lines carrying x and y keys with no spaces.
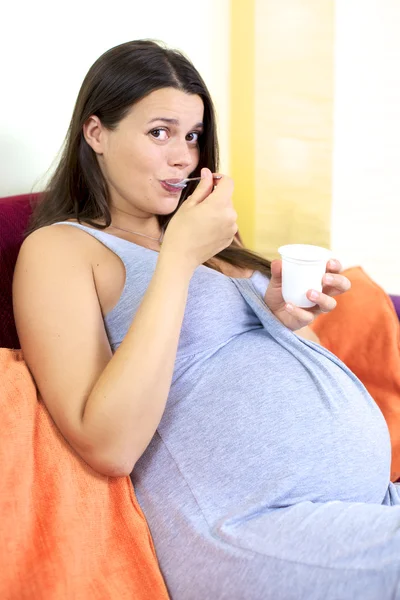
{"x":14,"y":215}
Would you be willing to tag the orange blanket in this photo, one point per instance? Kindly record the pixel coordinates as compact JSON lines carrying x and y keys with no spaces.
{"x":364,"y":332}
{"x":66,"y":533}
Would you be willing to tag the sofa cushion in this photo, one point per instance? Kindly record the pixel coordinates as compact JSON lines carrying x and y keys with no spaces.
{"x":14,"y":216}
{"x":66,"y":532}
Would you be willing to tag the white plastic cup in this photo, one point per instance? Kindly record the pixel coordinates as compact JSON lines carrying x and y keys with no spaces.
{"x":303,"y":267}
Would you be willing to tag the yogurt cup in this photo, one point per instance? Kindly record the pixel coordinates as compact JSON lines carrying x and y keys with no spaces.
{"x":303,"y":267}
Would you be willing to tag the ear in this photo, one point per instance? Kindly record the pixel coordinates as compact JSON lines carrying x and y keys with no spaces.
{"x":94,"y":134}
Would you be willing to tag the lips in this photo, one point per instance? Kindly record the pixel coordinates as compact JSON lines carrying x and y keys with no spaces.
{"x":169,"y":188}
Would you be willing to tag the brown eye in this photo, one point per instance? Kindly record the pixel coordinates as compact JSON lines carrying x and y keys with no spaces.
{"x":159,"y":134}
{"x":193,"y":137}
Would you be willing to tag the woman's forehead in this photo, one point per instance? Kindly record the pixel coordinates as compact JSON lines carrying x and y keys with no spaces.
{"x":169,"y":104}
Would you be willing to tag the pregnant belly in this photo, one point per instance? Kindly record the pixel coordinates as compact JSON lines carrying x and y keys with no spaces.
{"x":275,"y":425}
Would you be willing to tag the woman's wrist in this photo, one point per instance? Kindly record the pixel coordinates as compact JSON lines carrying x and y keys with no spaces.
{"x":175,"y":264}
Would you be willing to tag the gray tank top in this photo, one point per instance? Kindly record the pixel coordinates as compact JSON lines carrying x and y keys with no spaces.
{"x":262,"y":434}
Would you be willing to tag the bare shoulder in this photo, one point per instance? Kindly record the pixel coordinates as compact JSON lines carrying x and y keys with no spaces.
{"x":59,"y":322}
{"x":58,"y":238}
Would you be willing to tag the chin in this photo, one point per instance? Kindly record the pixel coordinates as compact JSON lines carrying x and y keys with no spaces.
{"x":168,"y":205}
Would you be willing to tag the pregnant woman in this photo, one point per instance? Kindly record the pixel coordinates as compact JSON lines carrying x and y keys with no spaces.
{"x":163,"y":349}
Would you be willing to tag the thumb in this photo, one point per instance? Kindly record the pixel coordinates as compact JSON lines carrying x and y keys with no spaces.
{"x":276,"y":273}
{"x":204,"y":188}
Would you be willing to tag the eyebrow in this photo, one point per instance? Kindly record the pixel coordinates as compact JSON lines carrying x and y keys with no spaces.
{"x":172,"y":121}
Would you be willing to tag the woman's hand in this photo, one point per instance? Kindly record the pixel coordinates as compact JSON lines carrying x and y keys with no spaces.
{"x":294,"y":317}
{"x":204,"y":224}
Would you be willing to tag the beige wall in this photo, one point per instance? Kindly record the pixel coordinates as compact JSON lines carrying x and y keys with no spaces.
{"x":365,"y":224}
{"x":293,"y":122}
{"x":316,"y":128}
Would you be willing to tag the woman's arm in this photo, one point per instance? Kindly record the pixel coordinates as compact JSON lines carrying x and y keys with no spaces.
{"x":109,"y":406}
{"x":106,"y":406}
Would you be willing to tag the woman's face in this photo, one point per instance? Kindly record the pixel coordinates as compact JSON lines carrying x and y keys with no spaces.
{"x":156,"y":143}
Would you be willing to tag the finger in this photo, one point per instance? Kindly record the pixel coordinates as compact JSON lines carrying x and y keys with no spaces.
{"x":334,"y":266}
{"x":276,"y":271}
{"x":335,"y":284}
{"x":217,"y":178}
{"x":302,"y":317}
{"x":204,"y":188}
{"x":223,"y":191}
{"x":326,"y":303}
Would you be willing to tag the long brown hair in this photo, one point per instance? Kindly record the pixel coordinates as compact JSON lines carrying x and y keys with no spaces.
{"x":117,"y":80}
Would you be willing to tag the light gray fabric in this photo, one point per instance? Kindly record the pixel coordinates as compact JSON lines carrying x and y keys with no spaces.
{"x":268,"y":477}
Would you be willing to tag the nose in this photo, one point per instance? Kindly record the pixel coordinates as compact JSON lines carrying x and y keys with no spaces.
{"x":180,"y":155}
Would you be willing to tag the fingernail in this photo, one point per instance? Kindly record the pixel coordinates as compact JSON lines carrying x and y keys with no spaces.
{"x":333,"y":263}
{"x":329,"y":278}
{"x":203,"y":172}
{"x":289,"y":307}
{"x":314,"y":295}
